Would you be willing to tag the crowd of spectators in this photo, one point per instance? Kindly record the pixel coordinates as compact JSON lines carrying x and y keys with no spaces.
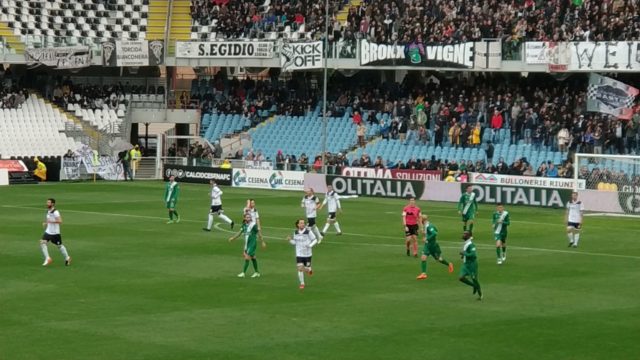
{"x":255,"y":18}
{"x":427,"y":110}
{"x":12,"y":95}
{"x":65,"y":92}
{"x":432,"y":21}
{"x":255,"y":99}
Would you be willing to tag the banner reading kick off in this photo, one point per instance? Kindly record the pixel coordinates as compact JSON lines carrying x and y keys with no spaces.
{"x":301,"y":55}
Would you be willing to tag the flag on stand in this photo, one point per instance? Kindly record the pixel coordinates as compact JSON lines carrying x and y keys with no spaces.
{"x":608,"y":96}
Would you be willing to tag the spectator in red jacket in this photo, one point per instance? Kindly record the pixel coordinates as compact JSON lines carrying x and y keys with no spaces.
{"x":496,"y":125}
{"x":357,"y":118}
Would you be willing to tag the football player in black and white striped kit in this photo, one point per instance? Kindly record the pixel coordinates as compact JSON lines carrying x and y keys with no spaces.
{"x":332,"y":200}
{"x":304,"y":240}
{"x":311,"y":203}
{"x":52,"y":234}
{"x":216,"y":207}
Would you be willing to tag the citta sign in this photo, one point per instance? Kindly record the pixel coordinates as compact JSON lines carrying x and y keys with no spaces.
{"x":519,"y":195}
{"x":389,"y":188}
{"x":300,"y":56}
{"x":417,"y":54}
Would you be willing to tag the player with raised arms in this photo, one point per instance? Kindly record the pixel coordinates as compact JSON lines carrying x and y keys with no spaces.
{"x":304,"y":240}
{"x":467,"y":207}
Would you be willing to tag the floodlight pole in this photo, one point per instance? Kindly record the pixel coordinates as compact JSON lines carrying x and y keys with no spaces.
{"x":324,"y":86}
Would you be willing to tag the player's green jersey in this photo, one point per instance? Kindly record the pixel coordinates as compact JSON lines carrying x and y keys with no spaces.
{"x":250,"y":231}
{"x":431,"y":233}
{"x":469,"y":254}
{"x":467,"y":204}
{"x":171,"y":192}
{"x":500,"y":228}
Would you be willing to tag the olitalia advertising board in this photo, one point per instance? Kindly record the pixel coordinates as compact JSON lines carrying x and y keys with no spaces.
{"x":390,"y":188}
{"x":519,"y":195}
{"x":268,"y":179}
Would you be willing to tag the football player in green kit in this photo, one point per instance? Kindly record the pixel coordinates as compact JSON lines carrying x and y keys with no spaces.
{"x":431,"y":248}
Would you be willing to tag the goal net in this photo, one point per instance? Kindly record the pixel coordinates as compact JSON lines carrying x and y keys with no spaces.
{"x":612,"y":182}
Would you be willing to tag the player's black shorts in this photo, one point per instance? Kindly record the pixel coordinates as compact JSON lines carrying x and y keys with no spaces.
{"x":332,"y":215}
{"x":311,"y":222}
{"x":574,"y":225}
{"x":304,"y":260}
{"x":412,"y":230}
{"x":56,"y":239}
{"x":216,"y":209}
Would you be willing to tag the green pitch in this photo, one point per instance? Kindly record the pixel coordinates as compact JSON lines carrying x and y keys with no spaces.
{"x":141,"y":289}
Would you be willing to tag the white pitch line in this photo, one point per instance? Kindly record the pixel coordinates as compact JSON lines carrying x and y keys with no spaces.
{"x":329,"y":242}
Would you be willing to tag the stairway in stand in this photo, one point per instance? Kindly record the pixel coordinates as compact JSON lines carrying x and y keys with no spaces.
{"x":158,"y":12}
{"x":344,"y":12}
{"x":12,"y":41}
{"x":180,"y":29}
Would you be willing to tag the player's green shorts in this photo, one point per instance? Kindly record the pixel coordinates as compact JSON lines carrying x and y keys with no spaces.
{"x":171,"y":204}
{"x":250,"y":249}
{"x":469,"y":269}
{"x":431,"y":249}
{"x":468,"y":216}
{"x":500,"y":237}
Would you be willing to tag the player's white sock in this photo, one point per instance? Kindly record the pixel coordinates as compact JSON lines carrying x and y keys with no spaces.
{"x":225,"y":218}
{"x":337,"y":226}
{"x":64,"y":252}
{"x":301,"y":277}
{"x":576,"y":238}
{"x":45,"y":251}
{"x":570,"y":236}
{"x":325,"y":228}
{"x":317,"y":232}
{"x":210,"y":222}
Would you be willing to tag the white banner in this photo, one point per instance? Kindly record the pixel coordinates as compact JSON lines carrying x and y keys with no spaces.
{"x":302,"y":55}
{"x":126,"y":53}
{"x":536,"y":52}
{"x":488,"y":55}
{"x":265,"y":179}
{"x":531,"y":181}
{"x":107,"y":167}
{"x":225,"y":49}
{"x":614,"y":56}
{"x":71,"y":57}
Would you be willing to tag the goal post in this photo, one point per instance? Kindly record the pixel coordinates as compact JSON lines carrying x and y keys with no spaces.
{"x":612,"y":182}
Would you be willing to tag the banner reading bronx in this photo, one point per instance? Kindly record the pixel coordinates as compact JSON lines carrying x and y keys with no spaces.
{"x":301,"y":55}
{"x":418,"y":54}
{"x":391,"y":188}
{"x":609,"y":96}
{"x":519,"y":195}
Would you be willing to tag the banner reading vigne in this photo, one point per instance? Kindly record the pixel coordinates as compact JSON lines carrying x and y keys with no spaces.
{"x":418,"y":54}
{"x":555,"y":183}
